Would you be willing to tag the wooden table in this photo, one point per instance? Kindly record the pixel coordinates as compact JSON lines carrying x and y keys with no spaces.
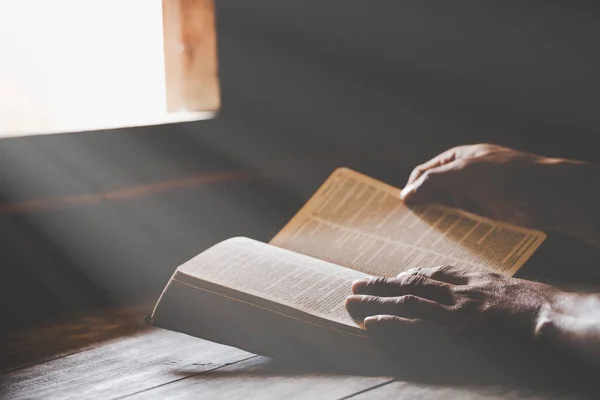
{"x":113,"y":354}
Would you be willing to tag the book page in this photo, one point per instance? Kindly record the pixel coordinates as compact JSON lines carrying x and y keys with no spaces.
{"x":295,"y":280}
{"x":358,"y":222}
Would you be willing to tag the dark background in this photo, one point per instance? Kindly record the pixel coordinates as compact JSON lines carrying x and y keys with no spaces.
{"x":307,"y":86}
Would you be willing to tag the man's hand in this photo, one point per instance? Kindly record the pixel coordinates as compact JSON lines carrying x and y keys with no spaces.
{"x":464,"y":303}
{"x":434,"y":309}
{"x":512,"y":186}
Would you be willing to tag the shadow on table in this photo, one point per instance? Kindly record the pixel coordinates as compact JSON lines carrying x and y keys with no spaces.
{"x":537,"y":373}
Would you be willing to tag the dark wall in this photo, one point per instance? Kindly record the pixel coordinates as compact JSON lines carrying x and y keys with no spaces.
{"x":307,"y":86}
{"x":397,"y":70}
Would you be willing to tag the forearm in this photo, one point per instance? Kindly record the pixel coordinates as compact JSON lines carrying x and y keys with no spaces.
{"x":578,"y":211}
{"x":572,"y":324}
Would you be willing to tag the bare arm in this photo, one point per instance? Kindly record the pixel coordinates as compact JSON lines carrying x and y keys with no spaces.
{"x":572,"y":323}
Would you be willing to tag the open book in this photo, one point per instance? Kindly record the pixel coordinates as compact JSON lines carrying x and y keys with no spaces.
{"x":286,"y":299}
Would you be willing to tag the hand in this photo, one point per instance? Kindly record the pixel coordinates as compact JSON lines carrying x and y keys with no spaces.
{"x":439,"y":314}
{"x":479,"y":305}
{"x":511,"y":186}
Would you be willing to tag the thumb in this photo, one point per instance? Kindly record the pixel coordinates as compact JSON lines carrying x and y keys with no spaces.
{"x":433,"y":186}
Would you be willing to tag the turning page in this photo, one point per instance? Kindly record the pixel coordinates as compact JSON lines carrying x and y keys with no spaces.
{"x":361,"y":223}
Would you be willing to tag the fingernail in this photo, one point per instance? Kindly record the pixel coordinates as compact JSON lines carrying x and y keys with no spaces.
{"x":406,"y":191}
{"x":354,"y":303}
{"x":354,"y":297}
{"x":371,"y":323}
{"x":354,"y":307}
{"x":358,"y":283}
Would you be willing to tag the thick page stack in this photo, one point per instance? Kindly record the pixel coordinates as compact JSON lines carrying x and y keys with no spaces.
{"x":265,"y":300}
{"x":286,"y":299}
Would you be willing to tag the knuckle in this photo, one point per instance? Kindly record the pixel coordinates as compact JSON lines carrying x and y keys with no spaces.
{"x":382,"y":280}
{"x":412,"y":271}
{"x":407,"y":299}
{"x":377,"y":281}
{"x":463,"y":293}
{"x":411,"y":280}
{"x":419,"y":169}
{"x":476,"y":276}
{"x":484,"y":276}
{"x":441,"y":269}
{"x":398,"y":301}
{"x":430,"y":176}
{"x":371,"y":300}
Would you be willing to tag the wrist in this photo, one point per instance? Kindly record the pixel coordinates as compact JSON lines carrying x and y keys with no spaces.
{"x":570,"y":323}
{"x":550,"y":317}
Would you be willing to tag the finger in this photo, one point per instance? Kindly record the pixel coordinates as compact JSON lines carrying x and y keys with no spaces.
{"x":435,"y":185}
{"x":417,"y":285}
{"x":407,"y":306}
{"x":439,"y":160}
{"x":447,"y":274}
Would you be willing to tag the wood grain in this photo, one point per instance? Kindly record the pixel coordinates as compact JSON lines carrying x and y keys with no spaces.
{"x":139,"y":362}
{"x":71,"y":334}
{"x":112,"y":354}
{"x":414,"y":391}
{"x":263,"y":378}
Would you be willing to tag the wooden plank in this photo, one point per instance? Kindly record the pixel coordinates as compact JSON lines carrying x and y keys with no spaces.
{"x":136,"y":363}
{"x":424,"y":391}
{"x":71,"y":334}
{"x":263,"y":378}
